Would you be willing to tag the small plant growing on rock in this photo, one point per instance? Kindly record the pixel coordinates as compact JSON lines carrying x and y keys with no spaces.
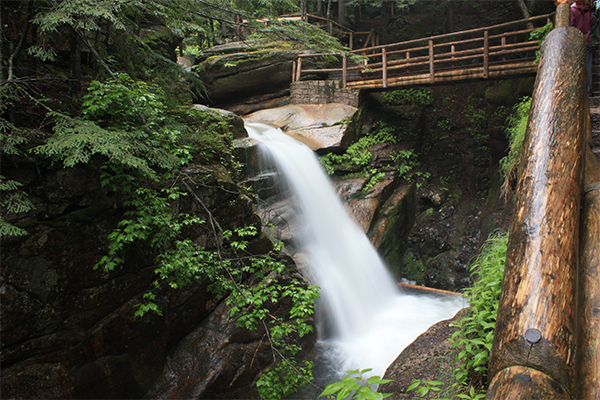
{"x":356,"y":387}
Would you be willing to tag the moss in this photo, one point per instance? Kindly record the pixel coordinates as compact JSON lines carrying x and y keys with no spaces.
{"x":413,"y":268}
{"x":399,"y":221}
{"x":508,"y":92}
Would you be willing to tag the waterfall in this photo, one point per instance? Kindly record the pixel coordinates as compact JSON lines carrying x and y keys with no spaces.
{"x":371,"y":320}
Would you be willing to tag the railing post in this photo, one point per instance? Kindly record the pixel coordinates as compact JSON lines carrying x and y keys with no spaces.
{"x":563,"y":15}
{"x":431,"y":66}
{"x":351,"y":41}
{"x":344,"y":70}
{"x":293,"y":71}
{"x":384,"y":66}
{"x":486,"y":53}
{"x":299,"y":70}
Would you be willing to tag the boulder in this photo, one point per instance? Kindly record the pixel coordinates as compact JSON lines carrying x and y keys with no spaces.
{"x":363,"y":206}
{"x":219,"y":359}
{"x":235,"y":122}
{"x":429,"y":357}
{"x":322,"y":127}
{"x":238,"y":70}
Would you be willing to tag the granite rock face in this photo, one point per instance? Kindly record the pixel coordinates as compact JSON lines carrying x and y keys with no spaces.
{"x":70,"y":331}
{"x":322,"y":127}
{"x":239,"y":70}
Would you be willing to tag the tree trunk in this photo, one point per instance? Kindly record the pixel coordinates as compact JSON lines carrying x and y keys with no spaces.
{"x":536,"y":317}
{"x":329,"y":17}
{"x":341,"y":12}
{"x":524,"y":9}
{"x":75,"y":64}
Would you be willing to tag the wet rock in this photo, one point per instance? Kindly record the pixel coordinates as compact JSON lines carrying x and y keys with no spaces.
{"x":390,"y":231}
{"x":219,"y":360}
{"x":429,"y":357}
{"x":442,"y":242}
{"x":363,"y":206}
{"x":322,"y":127}
{"x":235,"y":122}
{"x":238,"y":70}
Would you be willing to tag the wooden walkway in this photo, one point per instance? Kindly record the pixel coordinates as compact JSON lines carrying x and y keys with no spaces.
{"x":493,"y":52}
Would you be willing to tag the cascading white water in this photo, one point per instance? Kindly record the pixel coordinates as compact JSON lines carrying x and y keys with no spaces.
{"x":372,"y":320}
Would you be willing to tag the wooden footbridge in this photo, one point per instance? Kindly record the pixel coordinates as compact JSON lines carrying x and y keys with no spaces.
{"x":493,"y":52}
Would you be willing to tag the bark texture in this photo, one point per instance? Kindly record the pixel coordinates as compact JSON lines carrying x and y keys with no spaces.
{"x":588,"y":349}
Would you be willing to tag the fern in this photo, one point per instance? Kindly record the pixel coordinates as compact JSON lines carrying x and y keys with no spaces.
{"x":76,"y":141}
{"x":13,"y":201}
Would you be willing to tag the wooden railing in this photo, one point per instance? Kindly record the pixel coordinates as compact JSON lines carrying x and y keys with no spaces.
{"x":371,"y":37}
{"x":491,"y":52}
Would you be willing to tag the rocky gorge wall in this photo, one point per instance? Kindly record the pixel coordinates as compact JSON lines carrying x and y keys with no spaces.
{"x":70,"y":331}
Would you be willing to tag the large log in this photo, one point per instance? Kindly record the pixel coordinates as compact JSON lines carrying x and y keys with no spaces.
{"x":587,"y":368}
{"x":518,"y":383}
{"x":536,"y":319}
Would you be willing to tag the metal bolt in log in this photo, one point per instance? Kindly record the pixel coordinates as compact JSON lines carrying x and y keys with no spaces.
{"x":538,"y":291}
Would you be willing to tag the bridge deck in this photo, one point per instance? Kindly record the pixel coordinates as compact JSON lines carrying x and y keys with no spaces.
{"x":494,"y":52}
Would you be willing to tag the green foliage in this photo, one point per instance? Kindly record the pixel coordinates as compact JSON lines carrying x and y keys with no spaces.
{"x":356,"y":387}
{"x":417,"y":97}
{"x":76,"y":141}
{"x":445,"y":124}
{"x":540,"y":34}
{"x":473,"y":339}
{"x":81,"y":15}
{"x":398,"y":4}
{"x":13,"y":201}
{"x":422,"y":387}
{"x":516,"y":128}
{"x":127,"y":122}
{"x":357,"y":154}
{"x":303,"y":34}
{"x":283,"y":379}
{"x":151,"y":220}
{"x":376,"y":176}
{"x":123,"y":102}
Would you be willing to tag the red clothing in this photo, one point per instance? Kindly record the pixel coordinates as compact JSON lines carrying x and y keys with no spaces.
{"x":582,"y":20}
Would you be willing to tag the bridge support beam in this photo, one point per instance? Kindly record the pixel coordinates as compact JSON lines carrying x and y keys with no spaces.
{"x":535,"y":337}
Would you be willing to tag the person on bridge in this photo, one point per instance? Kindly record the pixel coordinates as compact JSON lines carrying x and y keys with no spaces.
{"x":582,"y":18}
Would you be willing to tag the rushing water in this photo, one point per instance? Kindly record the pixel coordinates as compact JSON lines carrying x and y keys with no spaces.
{"x":370,"y":320}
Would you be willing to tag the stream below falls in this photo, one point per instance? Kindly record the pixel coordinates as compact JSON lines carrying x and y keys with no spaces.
{"x":364,"y":319}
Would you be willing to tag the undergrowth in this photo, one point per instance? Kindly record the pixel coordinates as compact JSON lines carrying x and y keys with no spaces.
{"x":142,"y":143}
{"x":515,"y":130}
{"x":472,"y":341}
{"x":358,"y":158}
